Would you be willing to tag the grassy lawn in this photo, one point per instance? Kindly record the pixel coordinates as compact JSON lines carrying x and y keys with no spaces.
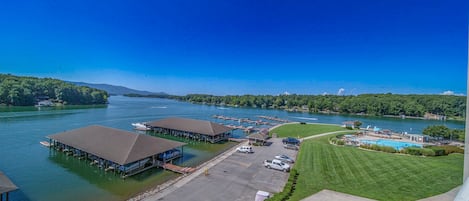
{"x":374,"y":175}
{"x":305,"y":130}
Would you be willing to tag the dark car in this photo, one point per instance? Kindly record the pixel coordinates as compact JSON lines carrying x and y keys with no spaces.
{"x":291,"y":140}
{"x":291,"y":146}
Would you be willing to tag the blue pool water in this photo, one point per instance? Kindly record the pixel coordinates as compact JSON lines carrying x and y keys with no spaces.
{"x":391,"y":143}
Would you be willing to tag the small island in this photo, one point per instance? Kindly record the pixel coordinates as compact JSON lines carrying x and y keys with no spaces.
{"x":33,"y":91}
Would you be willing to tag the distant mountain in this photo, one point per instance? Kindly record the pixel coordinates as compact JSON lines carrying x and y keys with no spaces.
{"x":117,"y":90}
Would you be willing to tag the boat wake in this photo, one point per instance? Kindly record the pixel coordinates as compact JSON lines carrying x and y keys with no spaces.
{"x":306,"y":118}
{"x":223,"y":108}
{"x":160,"y":107}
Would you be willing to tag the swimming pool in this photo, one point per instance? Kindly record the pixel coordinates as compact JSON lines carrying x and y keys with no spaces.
{"x":391,"y":143}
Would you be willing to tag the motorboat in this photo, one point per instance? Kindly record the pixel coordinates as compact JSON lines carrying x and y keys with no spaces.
{"x":45,"y":143}
{"x":140,"y":126}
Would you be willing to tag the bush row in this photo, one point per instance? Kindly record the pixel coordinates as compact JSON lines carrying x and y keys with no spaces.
{"x":445,"y":150}
{"x":288,"y":189}
{"x":379,"y":148}
{"x":418,"y":151}
{"x":336,"y":141}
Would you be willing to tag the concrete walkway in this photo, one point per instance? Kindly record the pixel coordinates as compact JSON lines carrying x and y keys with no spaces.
{"x":324,"y":134}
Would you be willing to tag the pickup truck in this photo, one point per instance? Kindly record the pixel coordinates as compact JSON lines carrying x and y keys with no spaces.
{"x":277,"y":164}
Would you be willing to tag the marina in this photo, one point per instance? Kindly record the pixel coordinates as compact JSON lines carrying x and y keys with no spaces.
{"x":22,"y":153}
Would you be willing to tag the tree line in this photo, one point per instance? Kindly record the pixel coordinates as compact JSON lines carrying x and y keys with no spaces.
{"x":444,"y":132}
{"x":27,"y":91}
{"x":452,"y":107}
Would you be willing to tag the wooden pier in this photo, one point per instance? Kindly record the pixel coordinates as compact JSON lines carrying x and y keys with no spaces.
{"x":274,"y":119}
{"x":242,"y":120}
{"x":237,"y":139}
{"x":178,"y":169}
{"x":245,"y":129}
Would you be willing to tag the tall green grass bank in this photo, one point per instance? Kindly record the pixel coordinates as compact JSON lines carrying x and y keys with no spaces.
{"x":375,"y":175}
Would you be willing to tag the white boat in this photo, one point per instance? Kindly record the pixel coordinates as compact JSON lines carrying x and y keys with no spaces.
{"x":140,"y":126}
{"x":45,"y":143}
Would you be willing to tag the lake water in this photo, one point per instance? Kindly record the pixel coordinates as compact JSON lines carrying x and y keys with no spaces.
{"x":42,"y":174}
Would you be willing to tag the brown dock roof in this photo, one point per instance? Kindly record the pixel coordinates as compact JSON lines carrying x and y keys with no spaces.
{"x":121,"y":147}
{"x":258,"y":136}
{"x":6,"y":185}
{"x":191,"y":125}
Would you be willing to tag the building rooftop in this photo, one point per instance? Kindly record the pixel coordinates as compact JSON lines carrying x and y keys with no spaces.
{"x":121,"y":147}
{"x":191,"y":125}
{"x":6,"y":185}
{"x":258,"y":136}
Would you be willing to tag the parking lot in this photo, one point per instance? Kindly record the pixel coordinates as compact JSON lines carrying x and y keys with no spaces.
{"x":238,"y":177}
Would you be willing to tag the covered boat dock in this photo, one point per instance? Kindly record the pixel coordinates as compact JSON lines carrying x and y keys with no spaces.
{"x":112,"y":149}
{"x":260,"y":137}
{"x":6,"y":186}
{"x":192,"y":129}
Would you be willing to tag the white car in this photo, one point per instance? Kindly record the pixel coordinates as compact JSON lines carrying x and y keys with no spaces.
{"x":245,"y":149}
{"x":277,"y":164}
{"x":284,"y":158}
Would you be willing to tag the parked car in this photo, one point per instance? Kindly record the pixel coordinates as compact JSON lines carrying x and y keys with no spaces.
{"x":291,"y":140}
{"x":291,"y":146}
{"x":284,"y":158}
{"x":245,"y":149}
{"x":277,"y":165}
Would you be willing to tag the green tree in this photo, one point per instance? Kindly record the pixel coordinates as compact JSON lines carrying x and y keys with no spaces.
{"x":438,"y":131}
{"x":357,"y":124}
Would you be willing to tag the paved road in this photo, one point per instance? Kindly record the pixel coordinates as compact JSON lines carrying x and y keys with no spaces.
{"x":238,"y":177}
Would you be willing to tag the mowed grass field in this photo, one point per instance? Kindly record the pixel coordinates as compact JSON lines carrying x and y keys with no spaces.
{"x":375,"y":175}
{"x":304,"y":130}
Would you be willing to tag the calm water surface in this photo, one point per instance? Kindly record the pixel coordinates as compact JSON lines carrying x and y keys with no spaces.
{"x":42,"y":174}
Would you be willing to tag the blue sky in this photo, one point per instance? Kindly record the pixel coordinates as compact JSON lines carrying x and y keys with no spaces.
{"x":242,"y":47}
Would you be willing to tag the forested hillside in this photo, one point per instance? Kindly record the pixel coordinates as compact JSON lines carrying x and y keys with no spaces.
{"x":27,"y":91}
{"x":367,"y":104}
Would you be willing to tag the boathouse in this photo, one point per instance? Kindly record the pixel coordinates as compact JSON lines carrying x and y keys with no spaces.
{"x":6,"y":186}
{"x":192,"y":129}
{"x":260,"y":137}
{"x":112,"y":149}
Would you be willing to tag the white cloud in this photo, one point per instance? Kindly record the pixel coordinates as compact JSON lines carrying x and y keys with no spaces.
{"x":325,"y":93}
{"x":341,"y":92}
{"x":286,"y":93}
{"x":451,"y":93}
{"x":448,"y":92}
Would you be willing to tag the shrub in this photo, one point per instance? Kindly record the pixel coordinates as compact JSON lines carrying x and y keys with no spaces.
{"x":340,"y":142}
{"x":339,"y":136}
{"x":288,"y":189}
{"x":445,"y":150}
{"x":375,"y":147}
{"x":452,"y":149}
{"x":387,"y":149}
{"x":413,"y":151}
{"x":427,"y":152}
{"x":439,"y":151}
